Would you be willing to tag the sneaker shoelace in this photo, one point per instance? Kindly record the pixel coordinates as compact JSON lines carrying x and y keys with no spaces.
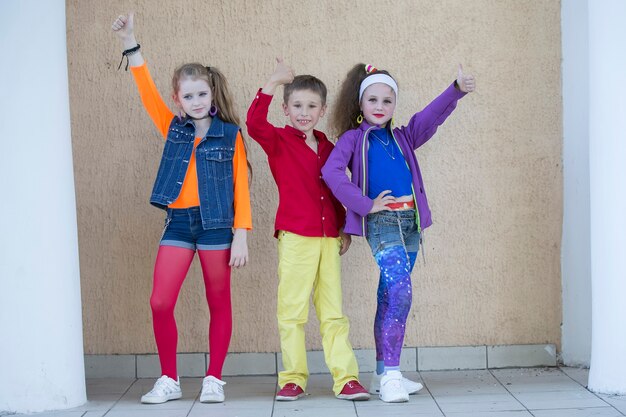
{"x":352,"y":385}
{"x":395,"y":383}
{"x":162,"y":386}
{"x":212,"y":387}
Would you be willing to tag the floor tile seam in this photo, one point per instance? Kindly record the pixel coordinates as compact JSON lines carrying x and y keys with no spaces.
{"x":195,"y":401}
{"x":569,"y":408}
{"x":593,"y":393}
{"x":286,"y":405}
{"x":618,"y":410}
{"x":510,"y":393}
{"x":567,"y":375}
{"x":606,"y":407}
{"x":425,"y":386}
{"x":120,"y":397}
{"x":356,"y":411}
{"x":275,"y":389}
{"x":276,"y":386}
{"x":582,"y":389}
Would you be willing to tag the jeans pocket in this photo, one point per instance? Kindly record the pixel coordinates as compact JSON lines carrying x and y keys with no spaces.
{"x":384,"y":233}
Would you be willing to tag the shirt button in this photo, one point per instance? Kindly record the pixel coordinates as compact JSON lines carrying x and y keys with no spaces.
{"x":322,"y":197}
{"x":323,"y":218}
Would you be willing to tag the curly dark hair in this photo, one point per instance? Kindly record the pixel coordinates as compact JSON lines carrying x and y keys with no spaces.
{"x":347,"y":106}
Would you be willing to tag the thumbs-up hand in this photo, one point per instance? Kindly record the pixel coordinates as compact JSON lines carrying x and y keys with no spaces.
{"x":465,"y":82}
{"x":283,"y":74}
{"x":124,"y":26}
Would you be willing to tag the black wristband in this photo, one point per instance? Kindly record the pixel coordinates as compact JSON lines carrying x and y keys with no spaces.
{"x":127,"y":52}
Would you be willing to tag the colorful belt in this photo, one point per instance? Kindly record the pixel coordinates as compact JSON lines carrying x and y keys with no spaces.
{"x":406,"y":205}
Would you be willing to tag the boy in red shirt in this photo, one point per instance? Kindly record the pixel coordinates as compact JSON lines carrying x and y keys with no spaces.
{"x":308,"y":227}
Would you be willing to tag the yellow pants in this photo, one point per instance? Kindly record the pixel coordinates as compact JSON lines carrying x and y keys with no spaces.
{"x":308,"y":264}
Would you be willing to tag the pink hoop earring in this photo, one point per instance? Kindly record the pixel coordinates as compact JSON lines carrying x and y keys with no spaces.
{"x":213,"y":110}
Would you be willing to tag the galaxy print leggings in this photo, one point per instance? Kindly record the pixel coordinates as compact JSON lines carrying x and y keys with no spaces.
{"x":394,"y":240}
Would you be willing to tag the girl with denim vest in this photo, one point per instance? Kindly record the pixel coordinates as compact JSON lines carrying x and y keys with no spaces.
{"x":385,"y":199}
{"x":202,"y":183}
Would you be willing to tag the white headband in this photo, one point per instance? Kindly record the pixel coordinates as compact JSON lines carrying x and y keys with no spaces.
{"x":378,"y":78}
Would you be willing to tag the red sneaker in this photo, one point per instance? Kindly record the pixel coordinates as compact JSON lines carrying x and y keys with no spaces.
{"x":353,"y":390}
{"x":290,"y":392}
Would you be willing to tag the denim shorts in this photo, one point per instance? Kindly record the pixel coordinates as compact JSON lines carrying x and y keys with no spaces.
{"x":392,"y":228}
{"x":183,"y":228}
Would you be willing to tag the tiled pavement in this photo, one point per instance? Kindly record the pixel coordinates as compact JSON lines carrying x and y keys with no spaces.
{"x":539,"y":392}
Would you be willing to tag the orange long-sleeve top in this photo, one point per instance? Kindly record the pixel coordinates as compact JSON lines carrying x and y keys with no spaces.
{"x":162,"y":116}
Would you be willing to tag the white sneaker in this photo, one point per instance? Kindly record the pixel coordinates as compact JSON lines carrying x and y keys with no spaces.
{"x":391,"y":388}
{"x":212,"y":390}
{"x":412,"y":387}
{"x":165,"y":389}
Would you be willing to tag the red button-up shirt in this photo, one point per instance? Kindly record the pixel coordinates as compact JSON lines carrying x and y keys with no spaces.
{"x":306,"y":206}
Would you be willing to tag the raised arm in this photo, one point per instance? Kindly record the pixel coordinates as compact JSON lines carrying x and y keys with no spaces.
{"x":124,"y":28}
{"x":283,"y":74}
{"x":424,"y":124}
{"x":161,"y":115}
{"x":259,"y":128}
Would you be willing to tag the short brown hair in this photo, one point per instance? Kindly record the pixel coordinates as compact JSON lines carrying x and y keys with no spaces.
{"x":305,"y":82}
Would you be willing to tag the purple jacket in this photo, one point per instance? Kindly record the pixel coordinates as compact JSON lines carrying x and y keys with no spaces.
{"x":351,"y":152}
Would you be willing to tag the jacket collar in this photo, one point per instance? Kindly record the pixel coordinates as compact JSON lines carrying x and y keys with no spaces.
{"x":365,"y":126}
{"x":215,"y":130}
{"x":320,"y":136}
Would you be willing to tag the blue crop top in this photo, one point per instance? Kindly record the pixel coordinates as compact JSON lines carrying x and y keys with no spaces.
{"x":387,"y":168}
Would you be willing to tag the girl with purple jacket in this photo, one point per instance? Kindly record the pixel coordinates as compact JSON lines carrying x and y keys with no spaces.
{"x":385,"y":199}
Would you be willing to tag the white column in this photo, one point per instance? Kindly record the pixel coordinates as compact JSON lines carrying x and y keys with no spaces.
{"x":575,"y":248}
{"x":607,"y":165}
{"x":41,"y":346}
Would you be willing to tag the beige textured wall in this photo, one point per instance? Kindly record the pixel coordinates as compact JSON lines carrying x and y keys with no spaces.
{"x":492,"y":172}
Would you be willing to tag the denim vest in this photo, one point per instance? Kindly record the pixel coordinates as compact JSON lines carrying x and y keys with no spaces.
{"x":214,"y":165}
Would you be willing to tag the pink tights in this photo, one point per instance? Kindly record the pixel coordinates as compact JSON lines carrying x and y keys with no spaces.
{"x":170,"y":269}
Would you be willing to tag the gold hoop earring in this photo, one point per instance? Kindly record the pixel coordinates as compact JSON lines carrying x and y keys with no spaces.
{"x":359,"y":119}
